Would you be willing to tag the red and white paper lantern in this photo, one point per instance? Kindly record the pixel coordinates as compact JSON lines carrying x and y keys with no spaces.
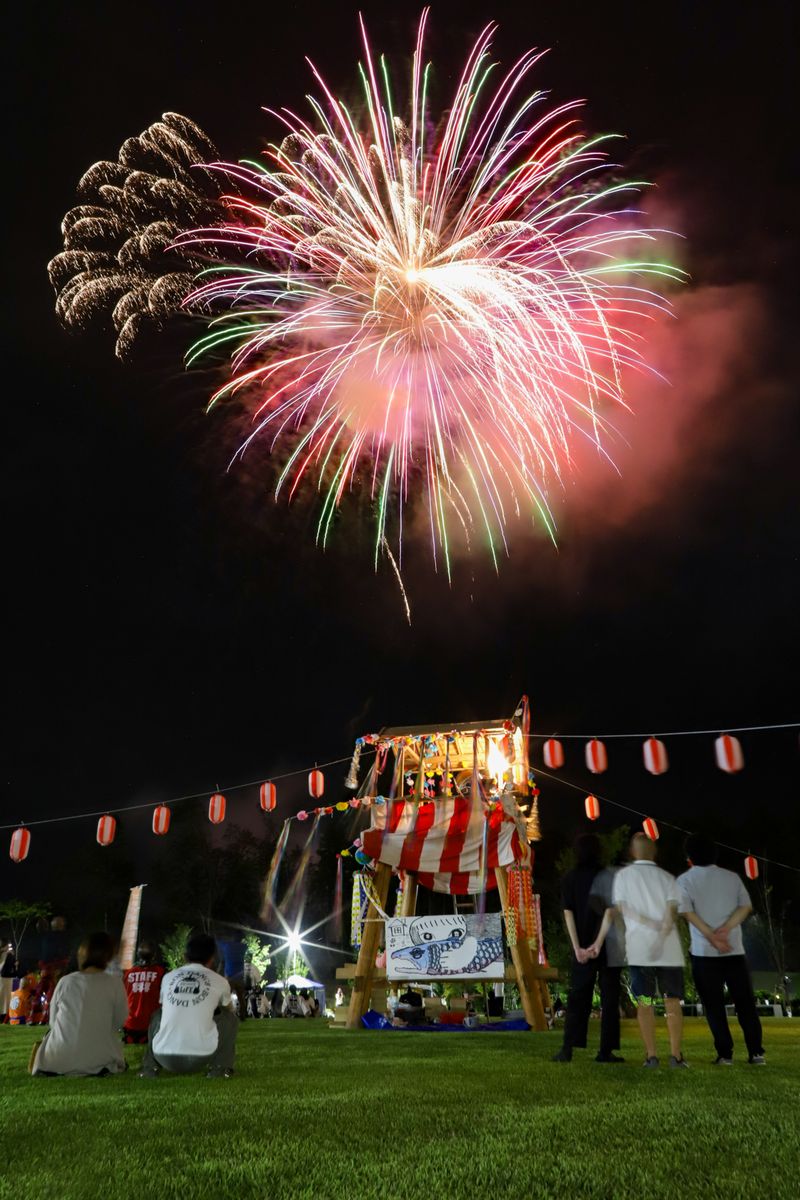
{"x":268,"y":797}
{"x":596,"y":757}
{"x":592,"y":806}
{"x":728,"y":751}
{"x":161,"y":819}
{"x":553,"y":753}
{"x":751,"y":867}
{"x":316,"y":784}
{"x":655,"y":756}
{"x":20,"y":844}
{"x":106,"y":830}
{"x":216,"y":808}
{"x":650,"y":828}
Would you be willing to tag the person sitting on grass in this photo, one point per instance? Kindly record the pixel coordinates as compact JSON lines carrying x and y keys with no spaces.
{"x":292,"y":1003}
{"x":195,"y":1028}
{"x":87,"y":1011}
{"x":143,"y":986}
{"x":647,"y":899}
{"x":22,"y":1001}
{"x":410,"y":1010}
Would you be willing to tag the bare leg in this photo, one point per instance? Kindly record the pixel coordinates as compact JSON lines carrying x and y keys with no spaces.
{"x":674,"y":1024}
{"x":647,"y":1027}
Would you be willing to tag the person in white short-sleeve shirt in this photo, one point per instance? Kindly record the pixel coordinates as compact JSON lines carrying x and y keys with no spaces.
{"x":195,"y":1028}
{"x":715,"y":903}
{"x":647,"y":898}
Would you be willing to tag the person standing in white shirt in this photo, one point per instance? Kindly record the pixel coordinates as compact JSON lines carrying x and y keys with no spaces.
{"x":195,"y":1028}
{"x":715,"y":903}
{"x":647,"y":899}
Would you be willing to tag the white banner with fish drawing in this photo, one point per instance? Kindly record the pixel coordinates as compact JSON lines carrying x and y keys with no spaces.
{"x":445,"y":947}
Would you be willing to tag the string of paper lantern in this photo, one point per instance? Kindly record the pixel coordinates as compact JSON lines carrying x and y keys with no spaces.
{"x":650,"y":827}
{"x":728,"y":754}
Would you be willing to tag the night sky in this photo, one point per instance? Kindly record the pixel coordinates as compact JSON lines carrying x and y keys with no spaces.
{"x":172,"y":628}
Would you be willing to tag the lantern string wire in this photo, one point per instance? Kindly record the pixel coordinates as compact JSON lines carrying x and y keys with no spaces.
{"x":720,"y":729}
{"x":667,"y":824}
{"x":236,"y":787}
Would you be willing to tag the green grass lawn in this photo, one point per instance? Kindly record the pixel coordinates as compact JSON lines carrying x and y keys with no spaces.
{"x":319,"y":1113}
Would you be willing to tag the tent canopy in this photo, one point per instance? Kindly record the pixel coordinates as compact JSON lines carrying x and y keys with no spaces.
{"x":298,"y":981}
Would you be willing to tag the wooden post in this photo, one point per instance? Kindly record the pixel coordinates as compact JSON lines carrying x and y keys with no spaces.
{"x":523,"y":964}
{"x":409,"y":906}
{"x":362,"y":981}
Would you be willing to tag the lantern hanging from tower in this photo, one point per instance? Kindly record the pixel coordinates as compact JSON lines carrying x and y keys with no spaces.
{"x":161,"y":819}
{"x":216,"y":808}
{"x":268,"y":796}
{"x":592,"y":806}
{"x":728,"y":751}
{"x":596,"y":757}
{"x":316,"y":784}
{"x":751,"y":867}
{"x":655,"y":756}
{"x":553,"y":753}
{"x":20,"y":844}
{"x":651,"y":829}
{"x":106,"y":830}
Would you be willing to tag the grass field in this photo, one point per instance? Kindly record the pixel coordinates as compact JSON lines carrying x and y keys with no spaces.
{"x":325,"y":1114}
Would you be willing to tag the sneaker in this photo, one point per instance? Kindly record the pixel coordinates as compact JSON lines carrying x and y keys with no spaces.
{"x":609,"y":1058}
{"x":721,"y":1061}
{"x":757,"y":1060}
{"x":678,"y":1062}
{"x":652,"y":1063}
{"x":562,"y":1056}
{"x":217,"y":1073}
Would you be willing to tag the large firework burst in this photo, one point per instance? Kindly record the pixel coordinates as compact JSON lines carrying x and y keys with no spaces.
{"x":422,"y":305}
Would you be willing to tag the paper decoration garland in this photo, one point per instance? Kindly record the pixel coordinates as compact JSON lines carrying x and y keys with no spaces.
{"x":161,"y":819}
{"x":592,"y":806}
{"x":651,"y":829}
{"x":106,"y":830}
{"x":655,"y":756}
{"x":216,"y":808}
{"x":20,"y":844}
{"x":728,"y":752}
{"x":596,"y":757}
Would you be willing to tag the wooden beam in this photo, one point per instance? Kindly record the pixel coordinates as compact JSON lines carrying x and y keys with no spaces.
{"x":410,"y":886}
{"x":522,"y":958}
{"x":370,"y":940}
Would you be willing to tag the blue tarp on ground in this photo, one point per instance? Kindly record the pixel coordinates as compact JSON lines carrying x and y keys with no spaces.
{"x":374,"y":1020}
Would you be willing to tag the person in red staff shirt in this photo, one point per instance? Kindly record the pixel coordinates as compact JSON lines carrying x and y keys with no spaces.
{"x":143,"y":987}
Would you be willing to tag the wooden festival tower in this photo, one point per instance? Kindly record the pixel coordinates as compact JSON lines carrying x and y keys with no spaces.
{"x":487,"y":761}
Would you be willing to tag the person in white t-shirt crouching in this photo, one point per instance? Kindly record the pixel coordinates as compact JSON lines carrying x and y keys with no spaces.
{"x":195,"y":1028}
{"x":647,"y":899}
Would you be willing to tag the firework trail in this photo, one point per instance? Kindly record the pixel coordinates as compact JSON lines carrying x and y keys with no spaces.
{"x":119,"y":257}
{"x":414,"y":305}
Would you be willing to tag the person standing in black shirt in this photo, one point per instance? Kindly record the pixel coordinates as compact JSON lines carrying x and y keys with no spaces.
{"x":583,"y":916}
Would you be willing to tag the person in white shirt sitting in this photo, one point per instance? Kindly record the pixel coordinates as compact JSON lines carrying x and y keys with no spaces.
{"x":195,"y":1028}
{"x":87,"y":1011}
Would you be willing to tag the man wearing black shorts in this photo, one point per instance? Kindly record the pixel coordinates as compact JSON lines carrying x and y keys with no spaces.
{"x":647,"y":899}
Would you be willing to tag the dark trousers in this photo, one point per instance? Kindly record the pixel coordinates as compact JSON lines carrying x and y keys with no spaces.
{"x":711,"y":976}
{"x":579,"y":1005}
